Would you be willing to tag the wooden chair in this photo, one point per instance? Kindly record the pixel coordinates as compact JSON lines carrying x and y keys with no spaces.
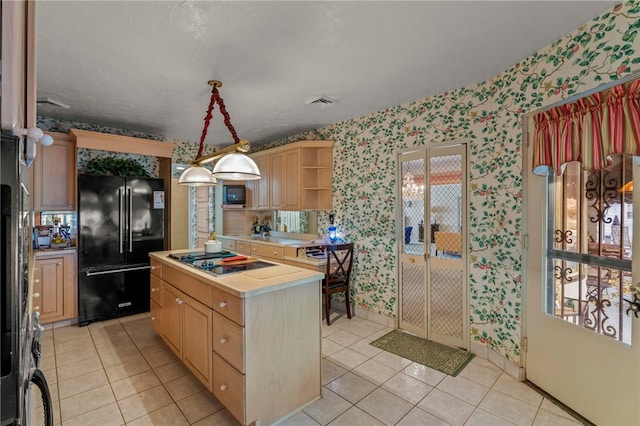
{"x":337,"y":275}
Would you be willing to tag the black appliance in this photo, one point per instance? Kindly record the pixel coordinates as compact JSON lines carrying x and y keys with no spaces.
{"x":233,"y":194}
{"x":21,"y":330}
{"x":205,"y":262}
{"x":120,"y":220}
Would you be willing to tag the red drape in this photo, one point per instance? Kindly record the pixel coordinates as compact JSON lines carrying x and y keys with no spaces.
{"x":589,"y":129}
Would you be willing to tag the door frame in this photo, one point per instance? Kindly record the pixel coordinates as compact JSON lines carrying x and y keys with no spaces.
{"x":427,"y":234}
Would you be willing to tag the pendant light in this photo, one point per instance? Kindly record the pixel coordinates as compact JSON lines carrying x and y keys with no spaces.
{"x":232,"y":165}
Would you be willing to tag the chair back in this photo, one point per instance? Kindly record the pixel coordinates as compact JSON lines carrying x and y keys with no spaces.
{"x":339,"y":264}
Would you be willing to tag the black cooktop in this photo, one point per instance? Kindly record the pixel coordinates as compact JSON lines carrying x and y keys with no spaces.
{"x":205,"y":262}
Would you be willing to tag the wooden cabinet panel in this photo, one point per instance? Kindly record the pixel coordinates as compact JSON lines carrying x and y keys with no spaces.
{"x":156,"y":317}
{"x":243,"y":247}
{"x":229,"y":387}
{"x":196,"y":344}
{"x":156,"y":289}
{"x":54,"y":175}
{"x":54,"y":287}
{"x":268,"y":251}
{"x":291,"y":184}
{"x":276,"y":181}
{"x":258,"y":189}
{"x":228,"y":305}
{"x":228,"y":341}
{"x":228,"y":244}
{"x":171,"y":324}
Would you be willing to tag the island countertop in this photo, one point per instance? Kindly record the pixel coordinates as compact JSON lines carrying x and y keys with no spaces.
{"x":247,"y":283}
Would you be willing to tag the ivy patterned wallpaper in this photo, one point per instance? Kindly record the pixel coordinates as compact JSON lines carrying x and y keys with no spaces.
{"x":488,"y":117}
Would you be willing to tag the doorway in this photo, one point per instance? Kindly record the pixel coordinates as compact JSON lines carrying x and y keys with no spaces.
{"x":582,"y":345}
{"x":433,"y":283}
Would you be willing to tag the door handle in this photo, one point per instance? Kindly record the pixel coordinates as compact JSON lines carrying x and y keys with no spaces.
{"x":120,"y":194}
{"x":129,"y":219}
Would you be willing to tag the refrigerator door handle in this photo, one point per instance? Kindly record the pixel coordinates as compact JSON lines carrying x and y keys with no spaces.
{"x":117,"y":271}
{"x":121,"y":231}
{"x":129,"y":220}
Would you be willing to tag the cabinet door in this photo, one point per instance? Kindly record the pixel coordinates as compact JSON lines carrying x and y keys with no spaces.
{"x":291,"y":181}
{"x":276,"y":180}
{"x":196,"y":345}
{"x":259,"y":188}
{"x":54,"y":175}
{"x":202,"y":214}
{"x":49,"y":284}
{"x":171,"y":318}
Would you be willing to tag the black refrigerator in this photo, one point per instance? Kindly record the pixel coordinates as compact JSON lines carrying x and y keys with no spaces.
{"x":120,"y":220}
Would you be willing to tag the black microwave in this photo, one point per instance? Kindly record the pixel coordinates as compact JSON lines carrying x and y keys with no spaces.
{"x":233,"y":194}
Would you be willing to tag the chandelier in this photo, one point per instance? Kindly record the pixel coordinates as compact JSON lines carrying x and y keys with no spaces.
{"x":409,"y":187}
{"x":232,"y":164}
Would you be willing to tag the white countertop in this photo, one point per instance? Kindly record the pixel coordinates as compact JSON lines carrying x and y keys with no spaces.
{"x":248,"y":283}
{"x":53,"y":251}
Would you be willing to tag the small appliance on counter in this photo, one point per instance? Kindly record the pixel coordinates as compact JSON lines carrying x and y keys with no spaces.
{"x":213,"y":245}
{"x":42,"y":236}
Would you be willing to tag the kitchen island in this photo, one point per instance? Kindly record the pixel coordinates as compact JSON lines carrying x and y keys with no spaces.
{"x":252,"y":337}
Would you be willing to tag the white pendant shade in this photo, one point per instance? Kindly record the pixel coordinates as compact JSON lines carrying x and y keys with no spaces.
{"x":236,"y":167}
{"x":197,"y":176}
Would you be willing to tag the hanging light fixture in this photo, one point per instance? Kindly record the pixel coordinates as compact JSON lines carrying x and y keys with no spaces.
{"x":232,"y":165}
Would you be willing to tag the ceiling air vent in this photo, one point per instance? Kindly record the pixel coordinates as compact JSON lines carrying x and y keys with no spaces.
{"x":323,"y":100}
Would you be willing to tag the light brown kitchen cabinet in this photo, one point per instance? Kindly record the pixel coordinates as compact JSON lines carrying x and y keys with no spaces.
{"x":54,"y":174}
{"x":54,"y":287}
{"x":297,"y":176}
{"x":202,"y":215}
{"x":187,"y":322}
{"x":258,"y":189}
{"x":156,"y":296}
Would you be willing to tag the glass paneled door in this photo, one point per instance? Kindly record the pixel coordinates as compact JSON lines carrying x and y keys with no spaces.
{"x":433,"y":277}
{"x":583,"y":342}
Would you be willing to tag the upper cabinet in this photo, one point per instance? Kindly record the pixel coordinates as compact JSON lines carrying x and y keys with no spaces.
{"x":296,"y":176}
{"x":54,"y":174}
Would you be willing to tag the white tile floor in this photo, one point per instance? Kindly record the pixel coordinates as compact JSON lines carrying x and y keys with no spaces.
{"x":119,"y":372}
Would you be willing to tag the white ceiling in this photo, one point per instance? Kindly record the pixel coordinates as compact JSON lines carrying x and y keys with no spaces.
{"x":144,"y":65}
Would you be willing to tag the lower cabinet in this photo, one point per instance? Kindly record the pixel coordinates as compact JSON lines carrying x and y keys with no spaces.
{"x":54,"y":287}
{"x":186,"y":328}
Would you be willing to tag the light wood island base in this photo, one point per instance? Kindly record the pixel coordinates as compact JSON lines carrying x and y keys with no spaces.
{"x":253,"y":342}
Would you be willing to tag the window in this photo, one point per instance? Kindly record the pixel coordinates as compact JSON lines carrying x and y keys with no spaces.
{"x":589,"y":257}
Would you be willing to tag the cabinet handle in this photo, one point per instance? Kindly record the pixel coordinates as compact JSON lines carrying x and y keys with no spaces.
{"x":36,"y":295}
{"x":180,"y":301}
{"x":154,"y":267}
{"x":59,"y":264}
{"x":154,"y":289}
{"x":275,"y":253}
{"x":36,"y":308}
{"x":153,"y":318}
{"x":223,"y":340}
{"x":255,"y":249}
{"x":37,"y":280}
{"x":223,"y":387}
{"x":223,"y":304}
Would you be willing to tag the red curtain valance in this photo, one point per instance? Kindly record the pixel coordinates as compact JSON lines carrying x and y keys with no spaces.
{"x":589,"y":130}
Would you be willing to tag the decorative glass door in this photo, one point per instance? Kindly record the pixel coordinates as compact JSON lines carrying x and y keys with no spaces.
{"x":433,"y":276}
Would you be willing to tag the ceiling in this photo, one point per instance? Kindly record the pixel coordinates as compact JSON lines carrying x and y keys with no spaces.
{"x":144,"y":65}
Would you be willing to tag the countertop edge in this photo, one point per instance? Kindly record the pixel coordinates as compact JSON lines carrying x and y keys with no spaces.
{"x":48,"y":253}
{"x":239,"y":284}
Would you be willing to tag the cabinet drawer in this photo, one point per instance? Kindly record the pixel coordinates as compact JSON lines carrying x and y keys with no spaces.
{"x":242,"y":247}
{"x":156,"y":268}
{"x":156,"y":289}
{"x":228,"y":341}
{"x":228,"y":305}
{"x":270,"y":252}
{"x":228,"y":244}
{"x":156,"y":317}
{"x":189,"y":285}
{"x":228,"y":387}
